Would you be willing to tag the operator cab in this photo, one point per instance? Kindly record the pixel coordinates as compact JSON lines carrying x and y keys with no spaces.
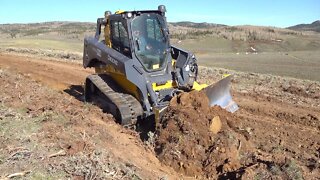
{"x":142,"y":35}
{"x":150,"y":43}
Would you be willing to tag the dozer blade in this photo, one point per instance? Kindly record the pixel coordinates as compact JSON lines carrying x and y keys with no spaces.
{"x":219,"y":94}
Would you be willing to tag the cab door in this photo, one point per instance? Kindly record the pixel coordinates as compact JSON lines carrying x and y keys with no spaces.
{"x":120,"y":38}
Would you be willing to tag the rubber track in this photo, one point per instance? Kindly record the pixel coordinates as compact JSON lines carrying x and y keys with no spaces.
{"x":129,"y":107}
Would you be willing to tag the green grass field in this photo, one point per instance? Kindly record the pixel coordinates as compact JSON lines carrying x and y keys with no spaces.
{"x":297,"y":57}
{"x":221,"y":45}
{"x":293,"y":53}
{"x":36,"y":43}
{"x":297,"y":64}
{"x":221,"y":53}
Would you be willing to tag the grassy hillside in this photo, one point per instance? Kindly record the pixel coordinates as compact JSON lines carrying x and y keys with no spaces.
{"x":196,"y":25}
{"x":258,"y":49}
{"x":212,"y":37}
{"x":216,"y":44}
{"x":315,"y":26}
{"x":72,"y":30}
{"x":266,"y":50}
{"x":49,"y":35}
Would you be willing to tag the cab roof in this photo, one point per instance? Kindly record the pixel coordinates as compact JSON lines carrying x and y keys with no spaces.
{"x":137,"y":12}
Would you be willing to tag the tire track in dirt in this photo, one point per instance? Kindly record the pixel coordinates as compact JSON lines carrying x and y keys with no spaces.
{"x":304,"y":117}
{"x":281,"y":127}
{"x":58,"y":75}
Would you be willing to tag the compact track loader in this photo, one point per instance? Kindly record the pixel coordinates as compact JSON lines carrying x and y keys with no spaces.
{"x":138,"y":71}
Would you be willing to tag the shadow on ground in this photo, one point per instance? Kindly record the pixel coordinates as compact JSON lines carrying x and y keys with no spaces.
{"x":76,"y":91}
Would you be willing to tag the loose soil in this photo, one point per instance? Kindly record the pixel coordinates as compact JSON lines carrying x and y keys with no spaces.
{"x":188,"y":142}
{"x":95,"y":146}
{"x":274,"y":134}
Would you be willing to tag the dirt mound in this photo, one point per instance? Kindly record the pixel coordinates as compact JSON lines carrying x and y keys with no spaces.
{"x":187,"y":139}
{"x":204,"y":142}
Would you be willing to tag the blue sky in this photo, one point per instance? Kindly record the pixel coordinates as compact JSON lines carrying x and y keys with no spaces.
{"x":280,"y":13}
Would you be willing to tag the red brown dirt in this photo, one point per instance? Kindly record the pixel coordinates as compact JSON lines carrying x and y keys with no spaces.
{"x":86,"y":128}
{"x":49,"y":72}
{"x":282,"y":128}
{"x":186,"y":143}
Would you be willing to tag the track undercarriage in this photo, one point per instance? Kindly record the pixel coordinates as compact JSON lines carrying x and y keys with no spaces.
{"x":101,"y":90}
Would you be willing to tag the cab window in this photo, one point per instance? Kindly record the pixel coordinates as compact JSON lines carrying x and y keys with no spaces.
{"x":119,"y":38}
{"x":153,"y":29}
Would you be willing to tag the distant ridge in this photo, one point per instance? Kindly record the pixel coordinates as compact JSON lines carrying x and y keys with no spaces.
{"x":315,"y":26}
{"x":196,"y":25}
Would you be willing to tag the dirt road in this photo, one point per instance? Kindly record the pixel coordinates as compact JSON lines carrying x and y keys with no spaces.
{"x":57,"y":75}
{"x":275,"y":126}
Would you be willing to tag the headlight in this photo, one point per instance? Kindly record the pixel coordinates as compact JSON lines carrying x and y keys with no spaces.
{"x":129,"y":14}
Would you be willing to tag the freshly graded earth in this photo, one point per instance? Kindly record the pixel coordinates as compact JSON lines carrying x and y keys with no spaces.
{"x":205,"y":142}
{"x":189,"y":142}
{"x":275,"y":133}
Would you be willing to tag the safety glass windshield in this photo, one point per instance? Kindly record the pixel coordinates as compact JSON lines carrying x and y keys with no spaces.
{"x":149,"y":40}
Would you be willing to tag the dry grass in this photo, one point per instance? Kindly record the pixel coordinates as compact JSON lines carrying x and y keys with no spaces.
{"x":29,"y":136}
{"x":280,"y":51}
{"x":299,"y":64}
{"x":243,"y":33}
{"x":37,"y":43}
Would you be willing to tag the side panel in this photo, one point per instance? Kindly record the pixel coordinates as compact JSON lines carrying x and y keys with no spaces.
{"x":97,"y":54}
{"x":95,"y":50}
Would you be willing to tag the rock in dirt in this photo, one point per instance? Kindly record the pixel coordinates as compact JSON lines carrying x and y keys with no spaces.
{"x":215,"y":126}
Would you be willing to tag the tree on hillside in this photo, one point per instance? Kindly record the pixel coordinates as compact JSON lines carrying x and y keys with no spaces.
{"x":13,"y":34}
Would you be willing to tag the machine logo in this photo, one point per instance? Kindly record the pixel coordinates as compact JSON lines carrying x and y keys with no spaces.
{"x":98,"y":52}
{"x":113,"y":60}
